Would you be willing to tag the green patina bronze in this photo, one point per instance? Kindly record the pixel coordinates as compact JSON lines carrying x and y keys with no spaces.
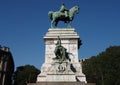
{"x":60,"y":52}
{"x":64,"y":15}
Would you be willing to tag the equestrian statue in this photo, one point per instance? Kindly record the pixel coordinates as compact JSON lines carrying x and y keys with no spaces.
{"x":64,"y":15}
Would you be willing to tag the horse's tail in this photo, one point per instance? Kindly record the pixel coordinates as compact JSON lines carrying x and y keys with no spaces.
{"x":50,"y":14}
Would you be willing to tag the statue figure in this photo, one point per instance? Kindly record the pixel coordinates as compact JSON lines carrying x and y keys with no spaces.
{"x":64,"y":15}
{"x":60,"y":52}
{"x":63,"y":9}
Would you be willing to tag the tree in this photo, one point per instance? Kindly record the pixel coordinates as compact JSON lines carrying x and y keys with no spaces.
{"x":104,"y":69}
{"x":25,"y":74}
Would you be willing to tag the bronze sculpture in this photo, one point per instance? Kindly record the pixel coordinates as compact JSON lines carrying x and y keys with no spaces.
{"x":64,"y":10}
{"x":60,"y":52}
{"x":63,"y":15}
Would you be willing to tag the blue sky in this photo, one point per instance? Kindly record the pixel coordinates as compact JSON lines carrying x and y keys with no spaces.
{"x":23,"y":24}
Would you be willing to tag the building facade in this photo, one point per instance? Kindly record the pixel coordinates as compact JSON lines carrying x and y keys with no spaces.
{"x":6,"y":66}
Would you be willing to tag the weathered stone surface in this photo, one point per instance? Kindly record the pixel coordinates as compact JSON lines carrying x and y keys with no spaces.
{"x":61,"y":83}
{"x":58,"y":83}
{"x":68,"y":71}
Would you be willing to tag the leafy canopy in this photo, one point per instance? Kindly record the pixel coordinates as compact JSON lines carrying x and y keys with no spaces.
{"x":25,"y":74}
{"x":104,"y":69}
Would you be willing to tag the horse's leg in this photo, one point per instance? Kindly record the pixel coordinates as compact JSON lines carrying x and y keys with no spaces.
{"x":52,"y":23}
{"x":69,"y":24}
{"x":54,"y":20}
{"x":56,"y":23}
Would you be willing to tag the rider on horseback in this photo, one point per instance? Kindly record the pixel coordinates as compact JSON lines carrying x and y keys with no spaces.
{"x":63,"y":9}
{"x":63,"y":15}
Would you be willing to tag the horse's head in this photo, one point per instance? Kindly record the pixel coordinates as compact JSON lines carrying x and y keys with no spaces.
{"x":76,"y":8}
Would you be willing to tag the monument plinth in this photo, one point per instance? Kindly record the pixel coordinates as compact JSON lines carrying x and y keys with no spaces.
{"x":66,"y":69}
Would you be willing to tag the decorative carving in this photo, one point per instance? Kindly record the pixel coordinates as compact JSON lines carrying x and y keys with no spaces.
{"x":61,"y":68}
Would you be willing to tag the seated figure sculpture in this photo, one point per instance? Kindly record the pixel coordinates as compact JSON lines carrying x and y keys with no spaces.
{"x":60,"y":52}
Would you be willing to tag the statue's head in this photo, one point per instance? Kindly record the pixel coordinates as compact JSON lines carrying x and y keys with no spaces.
{"x":59,"y":41}
{"x":63,"y":3}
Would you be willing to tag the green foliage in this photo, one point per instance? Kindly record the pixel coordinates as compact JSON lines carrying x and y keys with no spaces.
{"x":25,"y":74}
{"x":104,"y":69}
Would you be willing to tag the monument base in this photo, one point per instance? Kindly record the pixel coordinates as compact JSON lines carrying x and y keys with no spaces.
{"x":58,"y":72}
{"x":68,"y":70}
{"x":58,"y":83}
{"x":61,"y":83}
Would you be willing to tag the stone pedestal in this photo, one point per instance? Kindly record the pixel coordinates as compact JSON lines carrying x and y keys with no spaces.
{"x":67,"y":71}
{"x":59,"y":83}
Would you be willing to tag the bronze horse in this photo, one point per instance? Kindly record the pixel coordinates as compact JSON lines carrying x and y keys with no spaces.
{"x":59,"y":16}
